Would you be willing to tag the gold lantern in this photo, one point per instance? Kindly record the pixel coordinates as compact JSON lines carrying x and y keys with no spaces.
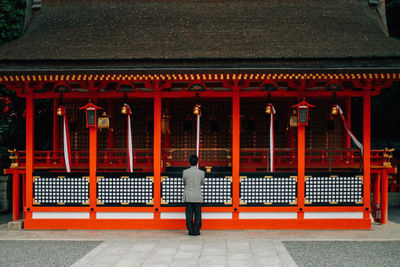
{"x":59,"y":111}
{"x":196,"y":109}
{"x":124,"y":110}
{"x":293,"y":119}
{"x":13,"y":156}
{"x":335,"y":110}
{"x":268,"y":109}
{"x":165,"y":128}
{"x":103,"y":121}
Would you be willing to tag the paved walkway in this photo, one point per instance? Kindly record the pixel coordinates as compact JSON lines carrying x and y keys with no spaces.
{"x":188,"y":252}
{"x":211,"y":248}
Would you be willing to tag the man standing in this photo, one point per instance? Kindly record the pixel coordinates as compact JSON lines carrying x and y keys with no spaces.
{"x":193,"y":178}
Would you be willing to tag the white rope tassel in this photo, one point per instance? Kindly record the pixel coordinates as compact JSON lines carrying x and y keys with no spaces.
{"x":353,"y":137}
{"x":67,"y":147}
{"x":129,"y":138}
{"x":198,"y":136}
{"x":66,"y":152}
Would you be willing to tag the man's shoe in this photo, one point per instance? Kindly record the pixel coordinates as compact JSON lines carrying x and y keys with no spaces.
{"x":197,"y":233}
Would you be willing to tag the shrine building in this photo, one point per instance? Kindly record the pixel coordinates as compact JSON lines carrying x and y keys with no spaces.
{"x":261,"y":90}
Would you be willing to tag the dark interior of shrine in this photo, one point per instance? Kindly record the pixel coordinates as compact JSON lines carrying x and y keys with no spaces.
{"x":325,"y":134}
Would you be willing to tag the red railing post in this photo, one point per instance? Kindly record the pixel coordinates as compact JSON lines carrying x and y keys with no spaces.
{"x":376,"y":198}
{"x":384,"y":197}
{"x":24,"y":193}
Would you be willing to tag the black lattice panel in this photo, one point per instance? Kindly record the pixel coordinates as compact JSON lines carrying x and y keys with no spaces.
{"x":334,"y":190}
{"x":124,"y":190}
{"x":217,"y":191}
{"x":171,"y":190}
{"x":268,"y":190}
{"x":60,"y":190}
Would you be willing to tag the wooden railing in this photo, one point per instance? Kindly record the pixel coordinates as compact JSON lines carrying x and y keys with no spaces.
{"x":142,"y":159}
{"x":250,"y":159}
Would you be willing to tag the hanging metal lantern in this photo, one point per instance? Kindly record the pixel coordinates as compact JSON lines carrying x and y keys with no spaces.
{"x":165,"y":119}
{"x":59,"y":111}
{"x":103,"y":121}
{"x":124,"y":110}
{"x":91,"y":116}
{"x":335,"y":110}
{"x":303,"y":112}
{"x":196,"y":109}
{"x":293,"y":118}
{"x":268,"y":109}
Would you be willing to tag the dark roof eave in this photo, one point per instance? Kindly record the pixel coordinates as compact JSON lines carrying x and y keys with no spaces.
{"x":222,"y":64}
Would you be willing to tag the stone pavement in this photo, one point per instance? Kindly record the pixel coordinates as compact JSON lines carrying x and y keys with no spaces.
{"x":188,"y":252}
{"x":211,"y":248}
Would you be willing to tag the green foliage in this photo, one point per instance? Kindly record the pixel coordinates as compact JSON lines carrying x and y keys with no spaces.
{"x":386,"y":114}
{"x":393,"y":17}
{"x":12,"y":17}
{"x":12,"y":125}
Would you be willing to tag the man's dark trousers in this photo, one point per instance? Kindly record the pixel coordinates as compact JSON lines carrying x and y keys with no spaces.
{"x":193,"y":208}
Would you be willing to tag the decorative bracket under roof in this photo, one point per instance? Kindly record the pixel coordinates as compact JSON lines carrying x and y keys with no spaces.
{"x":373,"y":2}
{"x":36,"y":4}
{"x":380,"y":7}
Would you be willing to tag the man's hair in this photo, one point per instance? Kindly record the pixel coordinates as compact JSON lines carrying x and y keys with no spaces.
{"x":193,"y":159}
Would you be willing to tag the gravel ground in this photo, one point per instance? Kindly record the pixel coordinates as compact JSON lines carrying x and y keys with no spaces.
{"x":344,"y":253}
{"x":43,"y":253}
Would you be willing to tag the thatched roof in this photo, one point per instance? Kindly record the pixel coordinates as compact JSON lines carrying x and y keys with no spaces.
{"x":150,"y":33}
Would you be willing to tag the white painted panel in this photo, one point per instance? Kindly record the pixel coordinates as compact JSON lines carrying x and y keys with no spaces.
{"x":216,"y":215}
{"x":268,"y":215}
{"x":172,"y":215}
{"x":125,"y":215}
{"x":333,"y":215}
{"x":60,"y":215}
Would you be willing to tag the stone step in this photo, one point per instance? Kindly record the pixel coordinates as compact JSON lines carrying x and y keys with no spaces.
{"x":16,"y":225}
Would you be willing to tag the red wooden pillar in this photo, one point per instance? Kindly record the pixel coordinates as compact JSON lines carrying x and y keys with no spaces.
{"x":367,"y":153}
{"x":56,"y":130}
{"x":92,"y":171}
{"x":29,"y":152}
{"x":15,"y":186}
{"x":24,"y":193}
{"x":377,"y":191}
{"x":235,"y":149}
{"x":384,"y":197}
{"x":157,"y":150}
{"x":301,"y":155}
